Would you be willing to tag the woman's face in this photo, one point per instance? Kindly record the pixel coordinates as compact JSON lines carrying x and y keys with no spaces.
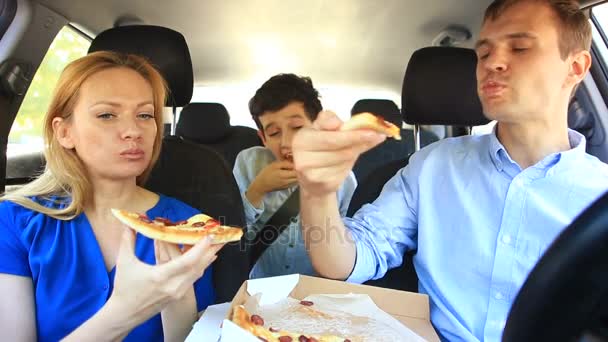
{"x":112,"y":128}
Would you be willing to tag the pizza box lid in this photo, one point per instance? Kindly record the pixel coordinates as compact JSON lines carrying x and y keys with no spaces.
{"x":411,"y":309}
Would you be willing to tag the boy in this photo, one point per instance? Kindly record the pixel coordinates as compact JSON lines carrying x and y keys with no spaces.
{"x":266,"y":176}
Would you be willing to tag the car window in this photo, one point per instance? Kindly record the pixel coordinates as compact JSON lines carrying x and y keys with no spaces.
{"x":26,"y":133}
{"x":600,"y":32}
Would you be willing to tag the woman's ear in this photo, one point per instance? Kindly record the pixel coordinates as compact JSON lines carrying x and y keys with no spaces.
{"x":61,"y":130}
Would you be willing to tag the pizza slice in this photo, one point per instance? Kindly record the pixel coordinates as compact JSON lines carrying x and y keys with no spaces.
{"x":255,"y":325}
{"x":187,"y":232}
{"x":370,"y":121}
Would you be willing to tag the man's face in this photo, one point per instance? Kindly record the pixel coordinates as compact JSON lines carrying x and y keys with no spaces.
{"x":520,"y":73}
{"x":279,"y":127}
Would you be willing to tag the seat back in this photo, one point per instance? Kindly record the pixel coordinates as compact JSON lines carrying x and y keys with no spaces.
{"x":390,"y":150}
{"x":200,"y":177}
{"x":209,"y":124}
{"x":404,"y":277}
{"x":440,"y":88}
{"x":431,"y":101}
{"x":191,"y":173}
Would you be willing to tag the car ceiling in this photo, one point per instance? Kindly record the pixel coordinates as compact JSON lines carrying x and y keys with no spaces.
{"x":358,"y":43}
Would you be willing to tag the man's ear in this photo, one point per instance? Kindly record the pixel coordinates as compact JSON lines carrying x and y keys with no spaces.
{"x":579,"y":66}
{"x":261,"y":135}
{"x":61,"y":130}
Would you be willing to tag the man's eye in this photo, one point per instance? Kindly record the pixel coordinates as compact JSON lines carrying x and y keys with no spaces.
{"x":519,"y":50}
{"x":273,"y":134}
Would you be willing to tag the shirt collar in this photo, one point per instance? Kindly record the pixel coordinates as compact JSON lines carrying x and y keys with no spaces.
{"x":500,"y":156}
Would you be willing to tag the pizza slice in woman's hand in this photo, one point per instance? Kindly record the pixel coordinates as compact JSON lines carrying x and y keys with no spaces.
{"x":187,"y":232}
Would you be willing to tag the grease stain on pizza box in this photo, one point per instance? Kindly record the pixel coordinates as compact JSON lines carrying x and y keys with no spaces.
{"x":411,"y":309}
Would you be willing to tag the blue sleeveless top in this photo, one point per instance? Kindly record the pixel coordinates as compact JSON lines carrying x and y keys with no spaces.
{"x":67,"y":268}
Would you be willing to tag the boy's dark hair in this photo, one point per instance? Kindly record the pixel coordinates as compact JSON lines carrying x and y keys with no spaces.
{"x":282,"y":89}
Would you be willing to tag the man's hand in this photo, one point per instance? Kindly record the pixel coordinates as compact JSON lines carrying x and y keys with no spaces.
{"x":324,"y":155}
{"x":277,"y":175}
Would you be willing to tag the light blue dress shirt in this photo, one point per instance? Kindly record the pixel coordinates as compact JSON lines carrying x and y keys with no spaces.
{"x":287,"y":254}
{"x":479,"y":224}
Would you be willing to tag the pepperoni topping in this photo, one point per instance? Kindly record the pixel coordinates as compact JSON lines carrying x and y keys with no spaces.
{"x":144,"y":218}
{"x":303,"y":338}
{"x":164,"y":221}
{"x":211,"y":223}
{"x":312,"y":339}
{"x":257,"y":320}
{"x":179,"y":223}
{"x":306,"y":303}
{"x":285,"y":339}
{"x":198,"y":224}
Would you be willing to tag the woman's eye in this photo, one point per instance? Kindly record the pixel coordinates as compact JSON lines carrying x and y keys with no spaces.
{"x":145,"y":116}
{"x":105,"y":116}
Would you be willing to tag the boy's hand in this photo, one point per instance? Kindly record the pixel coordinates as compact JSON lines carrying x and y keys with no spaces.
{"x":277,"y":175}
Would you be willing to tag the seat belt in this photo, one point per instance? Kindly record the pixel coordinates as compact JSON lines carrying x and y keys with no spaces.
{"x":279,"y":221}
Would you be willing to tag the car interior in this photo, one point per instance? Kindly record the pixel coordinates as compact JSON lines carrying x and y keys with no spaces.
{"x":410,"y":62}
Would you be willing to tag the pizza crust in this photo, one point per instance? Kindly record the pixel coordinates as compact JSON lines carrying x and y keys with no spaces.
{"x":370,"y":121}
{"x":184,"y":233}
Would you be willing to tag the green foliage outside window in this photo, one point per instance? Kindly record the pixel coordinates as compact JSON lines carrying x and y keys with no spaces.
{"x":26,"y":132}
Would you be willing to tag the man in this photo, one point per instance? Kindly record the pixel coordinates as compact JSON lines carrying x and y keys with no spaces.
{"x":266,"y":177}
{"x":479,"y":210}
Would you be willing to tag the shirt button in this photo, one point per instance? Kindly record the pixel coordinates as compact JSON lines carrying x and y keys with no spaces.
{"x":291,"y":245}
{"x":506,"y":239}
{"x":498,"y":295}
{"x":105,"y":287}
{"x":286,"y":267}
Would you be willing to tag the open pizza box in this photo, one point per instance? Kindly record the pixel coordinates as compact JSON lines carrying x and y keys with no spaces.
{"x":406,"y":311}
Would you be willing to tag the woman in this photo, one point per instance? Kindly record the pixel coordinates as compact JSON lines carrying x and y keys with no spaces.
{"x":68,"y":269}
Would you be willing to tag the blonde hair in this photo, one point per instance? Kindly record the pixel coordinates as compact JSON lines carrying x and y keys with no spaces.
{"x":65,"y":180}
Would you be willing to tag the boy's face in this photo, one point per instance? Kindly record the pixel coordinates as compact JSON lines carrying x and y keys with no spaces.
{"x":279,"y":127}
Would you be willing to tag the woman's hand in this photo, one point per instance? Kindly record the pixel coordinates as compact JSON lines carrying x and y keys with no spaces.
{"x":144,"y":290}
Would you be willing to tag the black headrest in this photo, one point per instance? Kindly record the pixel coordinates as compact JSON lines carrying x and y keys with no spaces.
{"x":203,"y":123}
{"x":163,"y":47}
{"x":440,"y":88}
{"x":385,"y":108}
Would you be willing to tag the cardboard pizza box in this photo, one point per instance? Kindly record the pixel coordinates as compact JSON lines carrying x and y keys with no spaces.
{"x":411,"y":309}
